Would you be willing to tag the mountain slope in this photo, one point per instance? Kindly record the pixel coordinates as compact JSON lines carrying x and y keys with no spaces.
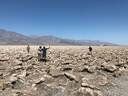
{"x":8,"y":37}
{"x":12,"y":37}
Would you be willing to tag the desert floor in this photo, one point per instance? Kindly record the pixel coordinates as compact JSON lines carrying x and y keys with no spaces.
{"x":69,"y":71}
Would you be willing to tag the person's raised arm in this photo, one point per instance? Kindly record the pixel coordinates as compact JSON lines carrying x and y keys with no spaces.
{"x":48,"y":47}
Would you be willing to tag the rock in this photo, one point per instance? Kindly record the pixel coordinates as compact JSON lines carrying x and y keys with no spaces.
{"x":29,"y":67}
{"x":119,"y":72}
{"x":17,"y":62}
{"x":86,"y":85}
{"x":17,"y":67}
{"x":70,"y":87}
{"x":28,"y":92}
{"x":85,"y":68}
{"x":66,"y":68}
{"x":95,"y":81}
{"x":86,"y":91}
{"x":23,"y":74}
{"x":91,"y":69}
{"x":56,"y":90}
{"x":4,"y":58}
{"x":61,"y":80}
{"x":104,"y":64}
{"x":78,"y":69}
{"x":120,"y":64}
{"x":15,"y":82}
{"x":13,"y":78}
{"x":33,"y":61}
{"x":1,"y":74}
{"x":56,"y":73}
{"x":90,"y":92}
{"x":76,"y":93}
{"x":67,"y":62}
{"x":60,"y":91}
{"x":71,"y":77}
{"x":39,"y":81}
{"x":97,"y":93}
{"x":3,"y":85}
{"x":110,"y":68}
{"x":26,"y":58}
{"x":48,"y":78}
{"x":49,"y":90}
{"x":18,"y":94}
{"x":100,"y":81}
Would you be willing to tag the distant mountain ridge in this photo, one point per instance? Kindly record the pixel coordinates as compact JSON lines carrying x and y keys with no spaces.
{"x":13,"y":38}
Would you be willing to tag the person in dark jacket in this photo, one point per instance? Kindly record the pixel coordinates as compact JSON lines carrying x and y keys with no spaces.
{"x":90,"y":50}
{"x":44,"y":55}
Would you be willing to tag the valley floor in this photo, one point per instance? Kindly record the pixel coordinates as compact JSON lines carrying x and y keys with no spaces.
{"x":69,"y":71}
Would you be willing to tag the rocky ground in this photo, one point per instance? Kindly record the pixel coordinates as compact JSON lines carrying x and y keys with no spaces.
{"x":69,"y":71}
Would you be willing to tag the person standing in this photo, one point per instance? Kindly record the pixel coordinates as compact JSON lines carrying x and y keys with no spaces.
{"x":44,"y":55}
{"x":90,"y":50}
{"x":28,"y":49}
{"x":40,"y":53}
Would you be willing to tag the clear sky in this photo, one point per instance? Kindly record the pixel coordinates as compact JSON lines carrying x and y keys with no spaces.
{"x":105,"y":20}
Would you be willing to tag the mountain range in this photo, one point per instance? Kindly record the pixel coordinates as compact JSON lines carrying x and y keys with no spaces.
{"x":13,"y":38}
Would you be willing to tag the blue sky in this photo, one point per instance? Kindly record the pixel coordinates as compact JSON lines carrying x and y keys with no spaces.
{"x":105,"y":20}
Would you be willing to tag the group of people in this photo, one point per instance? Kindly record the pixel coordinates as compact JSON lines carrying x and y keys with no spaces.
{"x":42,"y":52}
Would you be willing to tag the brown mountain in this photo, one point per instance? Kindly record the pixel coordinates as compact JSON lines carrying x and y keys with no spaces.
{"x":13,"y":38}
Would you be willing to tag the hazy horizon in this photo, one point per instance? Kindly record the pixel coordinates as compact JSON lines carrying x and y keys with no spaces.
{"x":103,"y":20}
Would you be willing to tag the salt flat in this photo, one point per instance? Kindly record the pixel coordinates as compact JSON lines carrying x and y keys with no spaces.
{"x":69,"y":71}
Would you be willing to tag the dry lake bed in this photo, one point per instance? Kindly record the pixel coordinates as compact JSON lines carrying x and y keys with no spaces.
{"x":69,"y":71}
